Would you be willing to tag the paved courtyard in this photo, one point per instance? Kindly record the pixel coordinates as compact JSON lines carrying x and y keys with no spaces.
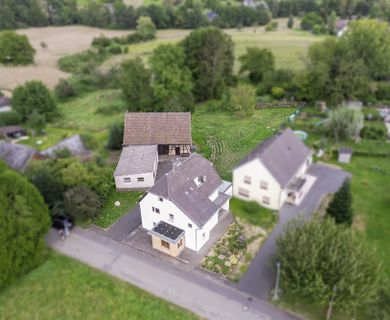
{"x":259,"y":280}
{"x":140,"y":240}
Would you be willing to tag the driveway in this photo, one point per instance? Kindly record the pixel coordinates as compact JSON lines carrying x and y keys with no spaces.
{"x":210,"y":298}
{"x":123,"y":227}
{"x":259,"y":280}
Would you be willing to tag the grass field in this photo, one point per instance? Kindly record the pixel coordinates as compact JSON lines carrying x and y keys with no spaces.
{"x":371,"y":200}
{"x":226,"y":139}
{"x":110,"y":213}
{"x":63,"y":288}
{"x":289,"y":46}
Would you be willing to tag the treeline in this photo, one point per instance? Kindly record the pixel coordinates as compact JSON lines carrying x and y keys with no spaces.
{"x":344,"y":9}
{"x":116,"y":15}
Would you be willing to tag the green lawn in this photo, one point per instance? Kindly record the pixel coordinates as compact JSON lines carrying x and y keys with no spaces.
{"x":110,"y":213}
{"x":63,"y":288}
{"x":371,"y":200}
{"x":262,"y":217}
{"x":226,"y":139}
{"x":51,"y":137}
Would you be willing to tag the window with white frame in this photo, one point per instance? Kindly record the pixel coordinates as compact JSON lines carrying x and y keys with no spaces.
{"x":126,"y":180}
{"x":140,"y":179}
{"x":264,"y":185}
{"x":171,"y":217}
{"x":160,"y":199}
{"x":266,"y":200}
{"x":190,"y":225}
{"x":247,"y":179}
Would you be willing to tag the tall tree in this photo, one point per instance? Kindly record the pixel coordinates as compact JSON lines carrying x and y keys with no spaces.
{"x":146,"y":28}
{"x":257,"y":62}
{"x":317,"y":255}
{"x":171,"y":77}
{"x":344,"y":124}
{"x":33,"y":96}
{"x":369,"y":40}
{"x":243,"y":100}
{"x":210,"y":58}
{"x":340,"y":208}
{"x":15,"y":49}
{"x":24,"y":221}
{"x":135,"y":79}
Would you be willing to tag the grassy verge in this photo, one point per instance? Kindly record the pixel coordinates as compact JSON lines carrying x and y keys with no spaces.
{"x":253,"y":213}
{"x":63,"y":288}
{"x":110,"y":213}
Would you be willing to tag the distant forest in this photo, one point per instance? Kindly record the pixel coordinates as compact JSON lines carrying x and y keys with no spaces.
{"x":187,"y":14}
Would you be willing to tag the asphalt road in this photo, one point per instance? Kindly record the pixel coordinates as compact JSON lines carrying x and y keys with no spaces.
{"x":191,"y":290}
{"x":259,"y":280}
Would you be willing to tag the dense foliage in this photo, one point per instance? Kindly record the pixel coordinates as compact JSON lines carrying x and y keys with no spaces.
{"x":33,"y":96}
{"x":242,"y":100}
{"x":344,"y":124}
{"x":340,"y":208}
{"x":317,"y":256}
{"x":15,"y":49}
{"x":59,"y":180}
{"x":257,"y":62}
{"x":24,"y":221}
{"x":172,"y":80}
{"x":135,"y":83}
{"x":115,"y":137}
{"x":209,"y":56}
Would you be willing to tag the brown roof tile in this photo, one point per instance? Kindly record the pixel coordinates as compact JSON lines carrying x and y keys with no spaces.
{"x":157,"y":128}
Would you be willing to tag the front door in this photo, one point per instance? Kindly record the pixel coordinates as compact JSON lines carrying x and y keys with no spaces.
{"x":177,"y":151}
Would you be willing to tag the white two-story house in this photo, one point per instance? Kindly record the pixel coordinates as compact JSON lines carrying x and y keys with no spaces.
{"x":184,"y":205}
{"x":275,"y":172}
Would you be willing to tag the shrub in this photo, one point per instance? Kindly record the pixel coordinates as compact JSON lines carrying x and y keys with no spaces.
{"x":115,"y":49}
{"x":319,"y":29}
{"x":15,"y":49}
{"x":10,"y":118}
{"x":101,"y":42}
{"x":373,"y":133}
{"x":383,"y":92}
{"x":82,"y":62}
{"x":82,"y":203}
{"x":89,"y":141}
{"x":64,"y":89}
{"x":340,"y":207}
{"x":115,"y":138}
{"x":242,"y":100}
{"x":24,"y":222}
{"x":310,"y":20}
{"x":277,"y":92}
{"x":272,"y":26}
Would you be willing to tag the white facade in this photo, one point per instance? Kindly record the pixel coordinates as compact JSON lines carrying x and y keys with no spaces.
{"x":155,"y":209}
{"x":135,"y":181}
{"x":253,"y":182}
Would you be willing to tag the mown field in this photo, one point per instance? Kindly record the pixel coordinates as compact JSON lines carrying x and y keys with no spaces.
{"x":62,"y":288}
{"x":288,"y":45}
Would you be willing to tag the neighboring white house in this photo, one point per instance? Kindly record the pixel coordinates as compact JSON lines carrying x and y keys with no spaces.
{"x":275,"y":172}
{"x":184,"y":205}
{"x":136,"y":168}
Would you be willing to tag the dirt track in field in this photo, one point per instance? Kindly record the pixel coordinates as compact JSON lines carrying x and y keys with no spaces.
{"x":60,"y":41}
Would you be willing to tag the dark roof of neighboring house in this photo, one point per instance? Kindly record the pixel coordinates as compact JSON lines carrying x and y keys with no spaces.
{"x":17,"y":156}
{"x":157,"y":128}
{"x":179,"y":186}
{"x":4,"y":101}
{"x":10,"y":129}
{"x":74,"y":144}
{"x":344,"y":150}
{"x":136,"y":160}
{"x":341,"y":24}
{"x":167,"y":231}
{"x":282,"y":154}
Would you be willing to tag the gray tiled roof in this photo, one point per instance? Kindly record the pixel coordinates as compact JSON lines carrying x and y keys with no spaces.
{"x":17,"y":156}
{"x":136,"y":160}
{"x":282,"y":154}
{"x":74,"y":144}
{"x":157,"y":128}
{"x":179,"y":187}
